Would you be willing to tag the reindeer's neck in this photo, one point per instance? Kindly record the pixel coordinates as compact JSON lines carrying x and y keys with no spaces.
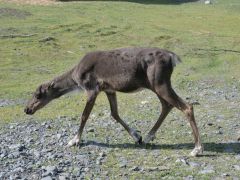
{"x":64,"y":83}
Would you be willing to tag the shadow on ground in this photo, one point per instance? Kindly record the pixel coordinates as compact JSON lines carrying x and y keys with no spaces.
{"x":170,"y":2}
{"x":230,"y":148}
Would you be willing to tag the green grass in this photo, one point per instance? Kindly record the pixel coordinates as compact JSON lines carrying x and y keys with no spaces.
{"x":85,"y":26}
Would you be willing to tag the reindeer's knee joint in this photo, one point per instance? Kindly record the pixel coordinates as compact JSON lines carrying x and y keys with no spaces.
{"x":115,"y":116}
{"x":189,"y":110}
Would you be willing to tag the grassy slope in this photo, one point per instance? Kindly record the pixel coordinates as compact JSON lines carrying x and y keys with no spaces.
{"x":86,"y":26}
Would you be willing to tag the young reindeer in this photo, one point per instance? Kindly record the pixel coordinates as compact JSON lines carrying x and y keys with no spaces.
{"x":125,"y":70}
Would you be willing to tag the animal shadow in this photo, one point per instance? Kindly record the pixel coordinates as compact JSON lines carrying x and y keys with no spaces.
{"x":229,"y":148}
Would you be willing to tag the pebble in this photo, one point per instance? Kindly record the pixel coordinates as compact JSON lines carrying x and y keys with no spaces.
{"x":207,"y":170}
{"x":182,"y":160}
{"x":135,"y":168}
{"x":152,"y":169}
{"x":190,"y":177}
{"x":90,"y":130}
{"x":194,"y":164}
{"x":225,"y":174}
{"x":237,"y":157}
{"x":237,"y":167}
{"x":49,"y":170}
{"x":123,"y":165}
{"x":59,"y":136}
{"x":47,"y":178}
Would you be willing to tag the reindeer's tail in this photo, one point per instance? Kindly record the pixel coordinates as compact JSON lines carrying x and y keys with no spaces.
{"x":175,"y":59}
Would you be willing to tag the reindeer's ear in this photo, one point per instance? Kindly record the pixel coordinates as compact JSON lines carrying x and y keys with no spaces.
{"x":51,"y":85}
{"x":39,"y":90}
{"x":43,"y":89}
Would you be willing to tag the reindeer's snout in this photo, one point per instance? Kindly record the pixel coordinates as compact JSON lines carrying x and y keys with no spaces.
{"x":28,"y":111}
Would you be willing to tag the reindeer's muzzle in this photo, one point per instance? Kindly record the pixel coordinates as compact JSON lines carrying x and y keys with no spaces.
{"x":28,"y":111}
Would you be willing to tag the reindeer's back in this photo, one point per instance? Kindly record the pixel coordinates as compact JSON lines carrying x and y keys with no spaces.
{"x":124,"y":69}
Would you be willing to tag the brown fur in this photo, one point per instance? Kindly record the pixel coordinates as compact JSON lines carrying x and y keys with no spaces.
{"x":124,"y":70}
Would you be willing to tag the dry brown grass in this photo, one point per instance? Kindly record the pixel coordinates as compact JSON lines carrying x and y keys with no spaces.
{"x":33,"y":2}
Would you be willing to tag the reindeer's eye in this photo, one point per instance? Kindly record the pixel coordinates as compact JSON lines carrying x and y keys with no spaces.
{"x":38,"y":96}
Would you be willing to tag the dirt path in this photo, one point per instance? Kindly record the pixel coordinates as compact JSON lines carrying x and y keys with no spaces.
{"x":33,"y":2}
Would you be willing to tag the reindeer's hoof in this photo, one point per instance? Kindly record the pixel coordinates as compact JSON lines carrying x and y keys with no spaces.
{"x":74,"y":142}
{"x":197,"y":151}
{"x":137,"y":138}
{"x":150,"y":137}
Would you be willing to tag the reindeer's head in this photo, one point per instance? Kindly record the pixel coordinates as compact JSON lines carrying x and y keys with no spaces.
{"x":42,"y":96}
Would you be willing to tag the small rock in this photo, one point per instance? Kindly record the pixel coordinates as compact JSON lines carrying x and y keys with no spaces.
{"x":163,"y":168}
{"x":193,"y":164}
{"x":102,"y":154}
{"x":209,"y":124}
{"x":152,"y":169}
{"x":44,"y":123}
{"x":144,"y":102}
{"x":30,"y":140}
{"x":76,"y":171}
{"x":64,"y":176}
{"x":237,"y":167}
{"x":2,"y":175}
{"x":207,"y":2}
{"x":49,"y":170}
{"x":190,"y":177}
{"x":101,"y":114}
{"x":46,"y":39}
{"x":18,"y":170}
{"x":86,"y":169}
{"x":182,"y":160}
{"x":59,"y":136}
{"x":235,"y":178}
{"x":135,"y":168}
{"x":15,"y":154}
{"x":98,"y":162}
{"x":21,"y":147}
{"x":37,"y":154}
{"x":225,"y":174}
{"x":90,"y":130}
{"x":123,"y":165}
{"x":47,"y":178}
{"x":48,"y":126}
{"x":207,"y":170}
{"x":15,"y":146}
{"x":237,"y":157}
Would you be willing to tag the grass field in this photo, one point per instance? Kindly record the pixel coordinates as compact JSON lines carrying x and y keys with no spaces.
{"x":79,"y":27}
{"x":38,"y":42}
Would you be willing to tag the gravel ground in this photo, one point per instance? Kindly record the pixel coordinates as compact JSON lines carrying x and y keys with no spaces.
{"x":37,"y":149}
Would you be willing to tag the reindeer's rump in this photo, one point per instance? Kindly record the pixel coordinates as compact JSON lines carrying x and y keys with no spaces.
{"x":125,"y":70}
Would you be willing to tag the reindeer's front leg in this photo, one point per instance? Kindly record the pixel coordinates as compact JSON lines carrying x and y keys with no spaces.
{"x":86,"y":112}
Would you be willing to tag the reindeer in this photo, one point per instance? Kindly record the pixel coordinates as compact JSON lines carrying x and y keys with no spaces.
{"x":124,"y":70}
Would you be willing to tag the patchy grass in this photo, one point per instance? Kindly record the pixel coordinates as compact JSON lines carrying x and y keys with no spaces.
{"x":40,"y":42}
{"x":76,"y":28}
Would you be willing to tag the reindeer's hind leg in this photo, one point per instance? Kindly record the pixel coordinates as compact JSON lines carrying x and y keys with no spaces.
{"x":166,"y":108}
{"x":114,"y":112}
{"x":86,"y":112}
{"x":167,"y":93}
